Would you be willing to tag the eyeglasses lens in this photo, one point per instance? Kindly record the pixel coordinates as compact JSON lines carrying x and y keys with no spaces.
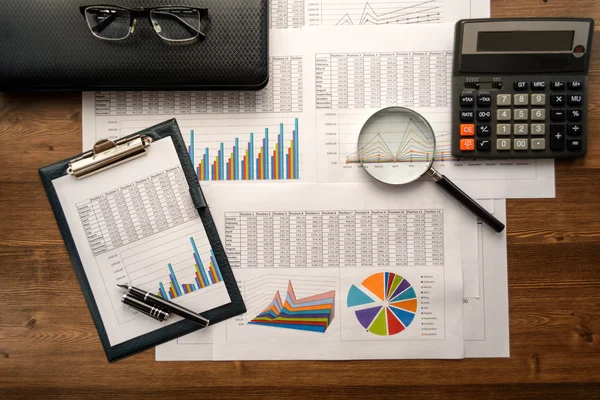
{"x":108,"y":23}
{"x":176,"y":24}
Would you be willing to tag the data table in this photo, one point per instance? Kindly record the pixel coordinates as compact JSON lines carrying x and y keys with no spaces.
{"x":374,"y":80}
{"x":338,"y":239}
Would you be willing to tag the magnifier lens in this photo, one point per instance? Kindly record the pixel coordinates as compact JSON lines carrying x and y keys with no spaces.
{"x":396,"y":145}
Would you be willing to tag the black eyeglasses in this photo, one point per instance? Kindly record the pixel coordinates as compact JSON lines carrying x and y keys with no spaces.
{"x":173,"y":23}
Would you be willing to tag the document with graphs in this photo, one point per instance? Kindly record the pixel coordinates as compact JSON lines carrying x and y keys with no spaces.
{"x":304,"y":125}
{"x":136,"y":224}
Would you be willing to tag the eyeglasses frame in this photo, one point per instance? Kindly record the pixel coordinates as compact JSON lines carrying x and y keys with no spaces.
{"x":145,"y":12}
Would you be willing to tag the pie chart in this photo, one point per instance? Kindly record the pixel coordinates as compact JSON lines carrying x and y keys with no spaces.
{"x":384,"y":304}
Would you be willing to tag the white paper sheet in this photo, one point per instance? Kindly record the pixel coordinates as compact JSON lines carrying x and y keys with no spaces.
{"x":136,"y":224}
{"x":321,"y":238}
{"x":486,"y":318}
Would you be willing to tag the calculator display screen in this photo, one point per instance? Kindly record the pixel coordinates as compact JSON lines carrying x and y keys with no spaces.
{"x":525,"y":41}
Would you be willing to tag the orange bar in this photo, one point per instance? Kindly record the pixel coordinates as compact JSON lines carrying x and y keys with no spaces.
{"x":260,"y":165}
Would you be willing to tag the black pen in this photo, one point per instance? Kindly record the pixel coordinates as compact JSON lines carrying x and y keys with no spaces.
{"x":154,"y":300}
{"x":144,"y":308}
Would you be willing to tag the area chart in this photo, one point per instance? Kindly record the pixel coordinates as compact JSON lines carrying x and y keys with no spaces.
{"x":313,"y":313}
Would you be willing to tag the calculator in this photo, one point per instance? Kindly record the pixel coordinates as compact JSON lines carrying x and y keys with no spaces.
{"x":519,"y":88}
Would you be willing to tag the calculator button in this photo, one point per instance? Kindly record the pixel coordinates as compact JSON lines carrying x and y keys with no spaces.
{"x":484,"y":115}
{"x":484,"y":100}
{"x":521,"y":85}
{"x":521,"y":99}
{"x":557,"y":115}
{"x":521,"y":115}
{"x":557,"y":99}
{"x":538,"y":144}
{"x":574,"y":129}
{"x":503,"y":100}
{"x":467,"y":116}
{"x":504,"y":114}
{"x":467,"y":100}
{"x":484,"y":145}
{"x":521,"y":144}
{"x":557,"y":136}
{"x":538,"y":114}
{"x":574,"y":144}
{"x":538,"y":129}
{"x":467,"y":130}
{"x":503,"y":129}
{"x":484,"y":130}
{"x":574,"y":114}
{"x":538,"y":85}
{"x":557,"y":85}
{"x":574,"y":99}
{"x":575,"y":85}
{"x":521,"y":129}
{"x":503,"y":144}
{"x":538,"y":99}
{"x":467,"y":144}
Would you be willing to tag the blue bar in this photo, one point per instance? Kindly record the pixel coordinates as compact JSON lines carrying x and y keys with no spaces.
{"x":193,"y":287}
{"x":257,"y":168}
{"x":222,"y":162}
{"x":163,"y":292}
{"x":198,"y":171}
{"x":281,"y":151}
{"x":296,"y":151}
{"x":212,"y":169}
{"x":242,"y":168}
{"x":236,"y":161}
{"x":272,"y":167}
{"x":251,"y":157}
{"x":211,"y":279}
{"x":267,"y":155}
{"x":198,"y":260}
{"x":217,"y":269}
{"x":198,"y":283}
{"x":206,"y":164}
{"x":174,"y":278}
{"x":192,"y":146}
{"x":227,"y":169}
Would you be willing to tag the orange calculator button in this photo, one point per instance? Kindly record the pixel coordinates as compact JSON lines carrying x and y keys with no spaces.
{"x":467,"y":130}
{"x":467,"y":144}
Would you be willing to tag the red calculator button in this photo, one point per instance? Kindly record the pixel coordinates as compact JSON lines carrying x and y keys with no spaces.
{"x":467,"y":144}
{"x":467,"y":130}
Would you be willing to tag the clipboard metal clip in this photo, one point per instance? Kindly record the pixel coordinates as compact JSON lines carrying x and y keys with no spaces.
{"x":107,"y":154}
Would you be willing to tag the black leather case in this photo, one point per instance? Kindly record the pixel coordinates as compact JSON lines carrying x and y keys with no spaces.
{"x":170,"y":332}
{"x":46,"y":44}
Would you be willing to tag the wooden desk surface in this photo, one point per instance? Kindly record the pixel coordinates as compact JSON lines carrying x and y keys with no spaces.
{"x":49,"y":347}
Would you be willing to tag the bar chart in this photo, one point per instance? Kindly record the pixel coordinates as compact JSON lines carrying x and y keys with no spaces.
{"x":248,"y":156}
{"x":201,"y":278}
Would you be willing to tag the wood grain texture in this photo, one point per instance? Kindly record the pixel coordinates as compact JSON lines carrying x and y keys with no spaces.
{"x":49,"y":347}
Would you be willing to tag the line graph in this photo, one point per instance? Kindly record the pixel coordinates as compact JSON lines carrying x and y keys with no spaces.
{"x":411,"y":145}
{"x":359,"y":12}
{"x":338,"y":161}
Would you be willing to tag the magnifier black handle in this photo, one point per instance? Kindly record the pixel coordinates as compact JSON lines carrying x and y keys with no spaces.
{"x":466,"y":201}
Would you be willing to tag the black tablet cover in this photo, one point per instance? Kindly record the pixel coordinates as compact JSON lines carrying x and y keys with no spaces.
{"x":169,"y":332}
{"x":46,"y":44}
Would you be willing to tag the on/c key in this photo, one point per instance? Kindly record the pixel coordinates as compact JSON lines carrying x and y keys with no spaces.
{"x":467,"y":144}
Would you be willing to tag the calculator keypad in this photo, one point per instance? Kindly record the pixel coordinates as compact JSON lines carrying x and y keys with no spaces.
{"x":535,"y":117}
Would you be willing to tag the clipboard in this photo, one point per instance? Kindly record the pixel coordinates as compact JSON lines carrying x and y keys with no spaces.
{"x":116,"y":155}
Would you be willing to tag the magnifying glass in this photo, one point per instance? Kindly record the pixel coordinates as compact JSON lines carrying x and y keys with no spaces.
{"x":397,"y":146}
